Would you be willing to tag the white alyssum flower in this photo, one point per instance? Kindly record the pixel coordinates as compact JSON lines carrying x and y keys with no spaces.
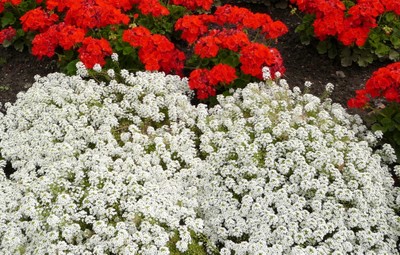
{"x":91,"y":178}
{"x":81,"y":69}
{"x":285,"y":173}
{"x":266,"y":73}
{"x":329,"y":87}
{"x":134,"y":168}
{"x":97,"y":68}
{"x":114,"y":57}
{"x":307,"y":84}
{"x":111,"y":73}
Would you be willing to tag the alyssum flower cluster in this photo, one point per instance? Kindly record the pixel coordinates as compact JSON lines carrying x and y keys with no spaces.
{"x":133,"y":167}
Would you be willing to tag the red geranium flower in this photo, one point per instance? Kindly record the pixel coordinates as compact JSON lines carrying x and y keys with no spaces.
{"x":7,"y":34}
{"x":93,"y":51}
{"x":37,"y":20}
{"x":222,"y":73}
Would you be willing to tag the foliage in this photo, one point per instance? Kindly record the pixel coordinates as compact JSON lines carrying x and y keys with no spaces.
{"x":148,"y":35}
{"x":356,"y":31}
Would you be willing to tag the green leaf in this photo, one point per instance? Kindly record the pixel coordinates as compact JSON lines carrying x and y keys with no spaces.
{"x":396,"y":117}
{"x":389,"y":16}
{"x":231,"y":60}
{"x":127,"y":50}
{"x":396,"y":137}
{"x":322,"y":47}
{"x":71,"y":67}
{"x":19,"y":46}
{"x":8,"y":19}
{"x":394,"y":55}
{"x":389,"y":111}
{"x":346,"y":61}
{"x":382,"y":50}
{"x":395,"y":40}
{"x":332,"y":52}
{"x":378,"y":127}
{"x":387,"y":123}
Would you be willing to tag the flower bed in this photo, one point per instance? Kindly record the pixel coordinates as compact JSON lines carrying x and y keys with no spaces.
{"x":133,"y":167}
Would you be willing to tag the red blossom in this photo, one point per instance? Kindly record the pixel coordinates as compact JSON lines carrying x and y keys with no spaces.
{"x":151,"y":7}
{"x":274,"y":29}
{"x":93,"y":51}
{"x":69,"y":36}
{"x":45,"y":44}
{"x":194,"y":4}
{"x":233,"y":39}
{"x":199,"y":80}
{"x":89,"y":14}
{"x":192,"y":26}
{"x":37,"y":20}
{"x":222,"y":73}
{"x":255,"y":56}
{"x":207,"y":46}
{"x":7,"y":34}
{"x":136,"y":36}
{"x":385,"y":83}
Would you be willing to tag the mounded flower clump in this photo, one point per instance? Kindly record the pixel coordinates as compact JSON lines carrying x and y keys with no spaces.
{"x":135,"y":168}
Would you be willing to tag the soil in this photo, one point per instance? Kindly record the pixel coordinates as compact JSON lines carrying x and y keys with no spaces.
{"x":303,"y":63}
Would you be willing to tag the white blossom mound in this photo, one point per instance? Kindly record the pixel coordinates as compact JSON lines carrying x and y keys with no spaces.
{"x":132,"y":167}
{"x":288,"y":174}
{"x":99,"y":169}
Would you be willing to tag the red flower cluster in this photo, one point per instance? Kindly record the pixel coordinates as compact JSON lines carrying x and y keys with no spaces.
{"x":253,"y":56}
{"x":194,"y":4}
{"x":256,"y":55}
{"x":156,"y":51}
{"x":7,"y":34}
{"x":93,"y":51}
{"x":231,"y":39}
{"x":79,"y":15}
{"x":385,"y":82}
{"x":192,"y":26}
{"x":151,"y":7}
{"x":38,"y":20}
{"x":348,"y":25}
{"x":13,"y":2}
{"x":204,"y":81}
{"x":66,"y":36}
{"x":244,"y":18}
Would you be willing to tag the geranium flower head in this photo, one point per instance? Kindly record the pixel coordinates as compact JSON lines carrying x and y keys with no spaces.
{"x":70,"y":35}
{"x":194,"y":4}
{"x":207,"y":46}
{"x":37,"y":20}
{"x":199,"y":80}
{"x":45,"y":44}
{"x":222,"y":73}
{"x":384,"y":83}
{"x":93,"y":51}
{"x":7,"y":34}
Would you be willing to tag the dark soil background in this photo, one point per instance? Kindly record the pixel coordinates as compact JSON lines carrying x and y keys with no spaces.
{"x":303,"y":63}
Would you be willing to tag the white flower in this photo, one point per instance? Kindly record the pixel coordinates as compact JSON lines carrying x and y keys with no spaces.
{"x":266,"y":73}
{"x":307,"y":84}
{"x":97,"y":68}
{"x":133,"y":167}
{"x":111,"y":73}
{"x":81,"y":69}
{"x":329,"y":87}
{"x":114,"y":57}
